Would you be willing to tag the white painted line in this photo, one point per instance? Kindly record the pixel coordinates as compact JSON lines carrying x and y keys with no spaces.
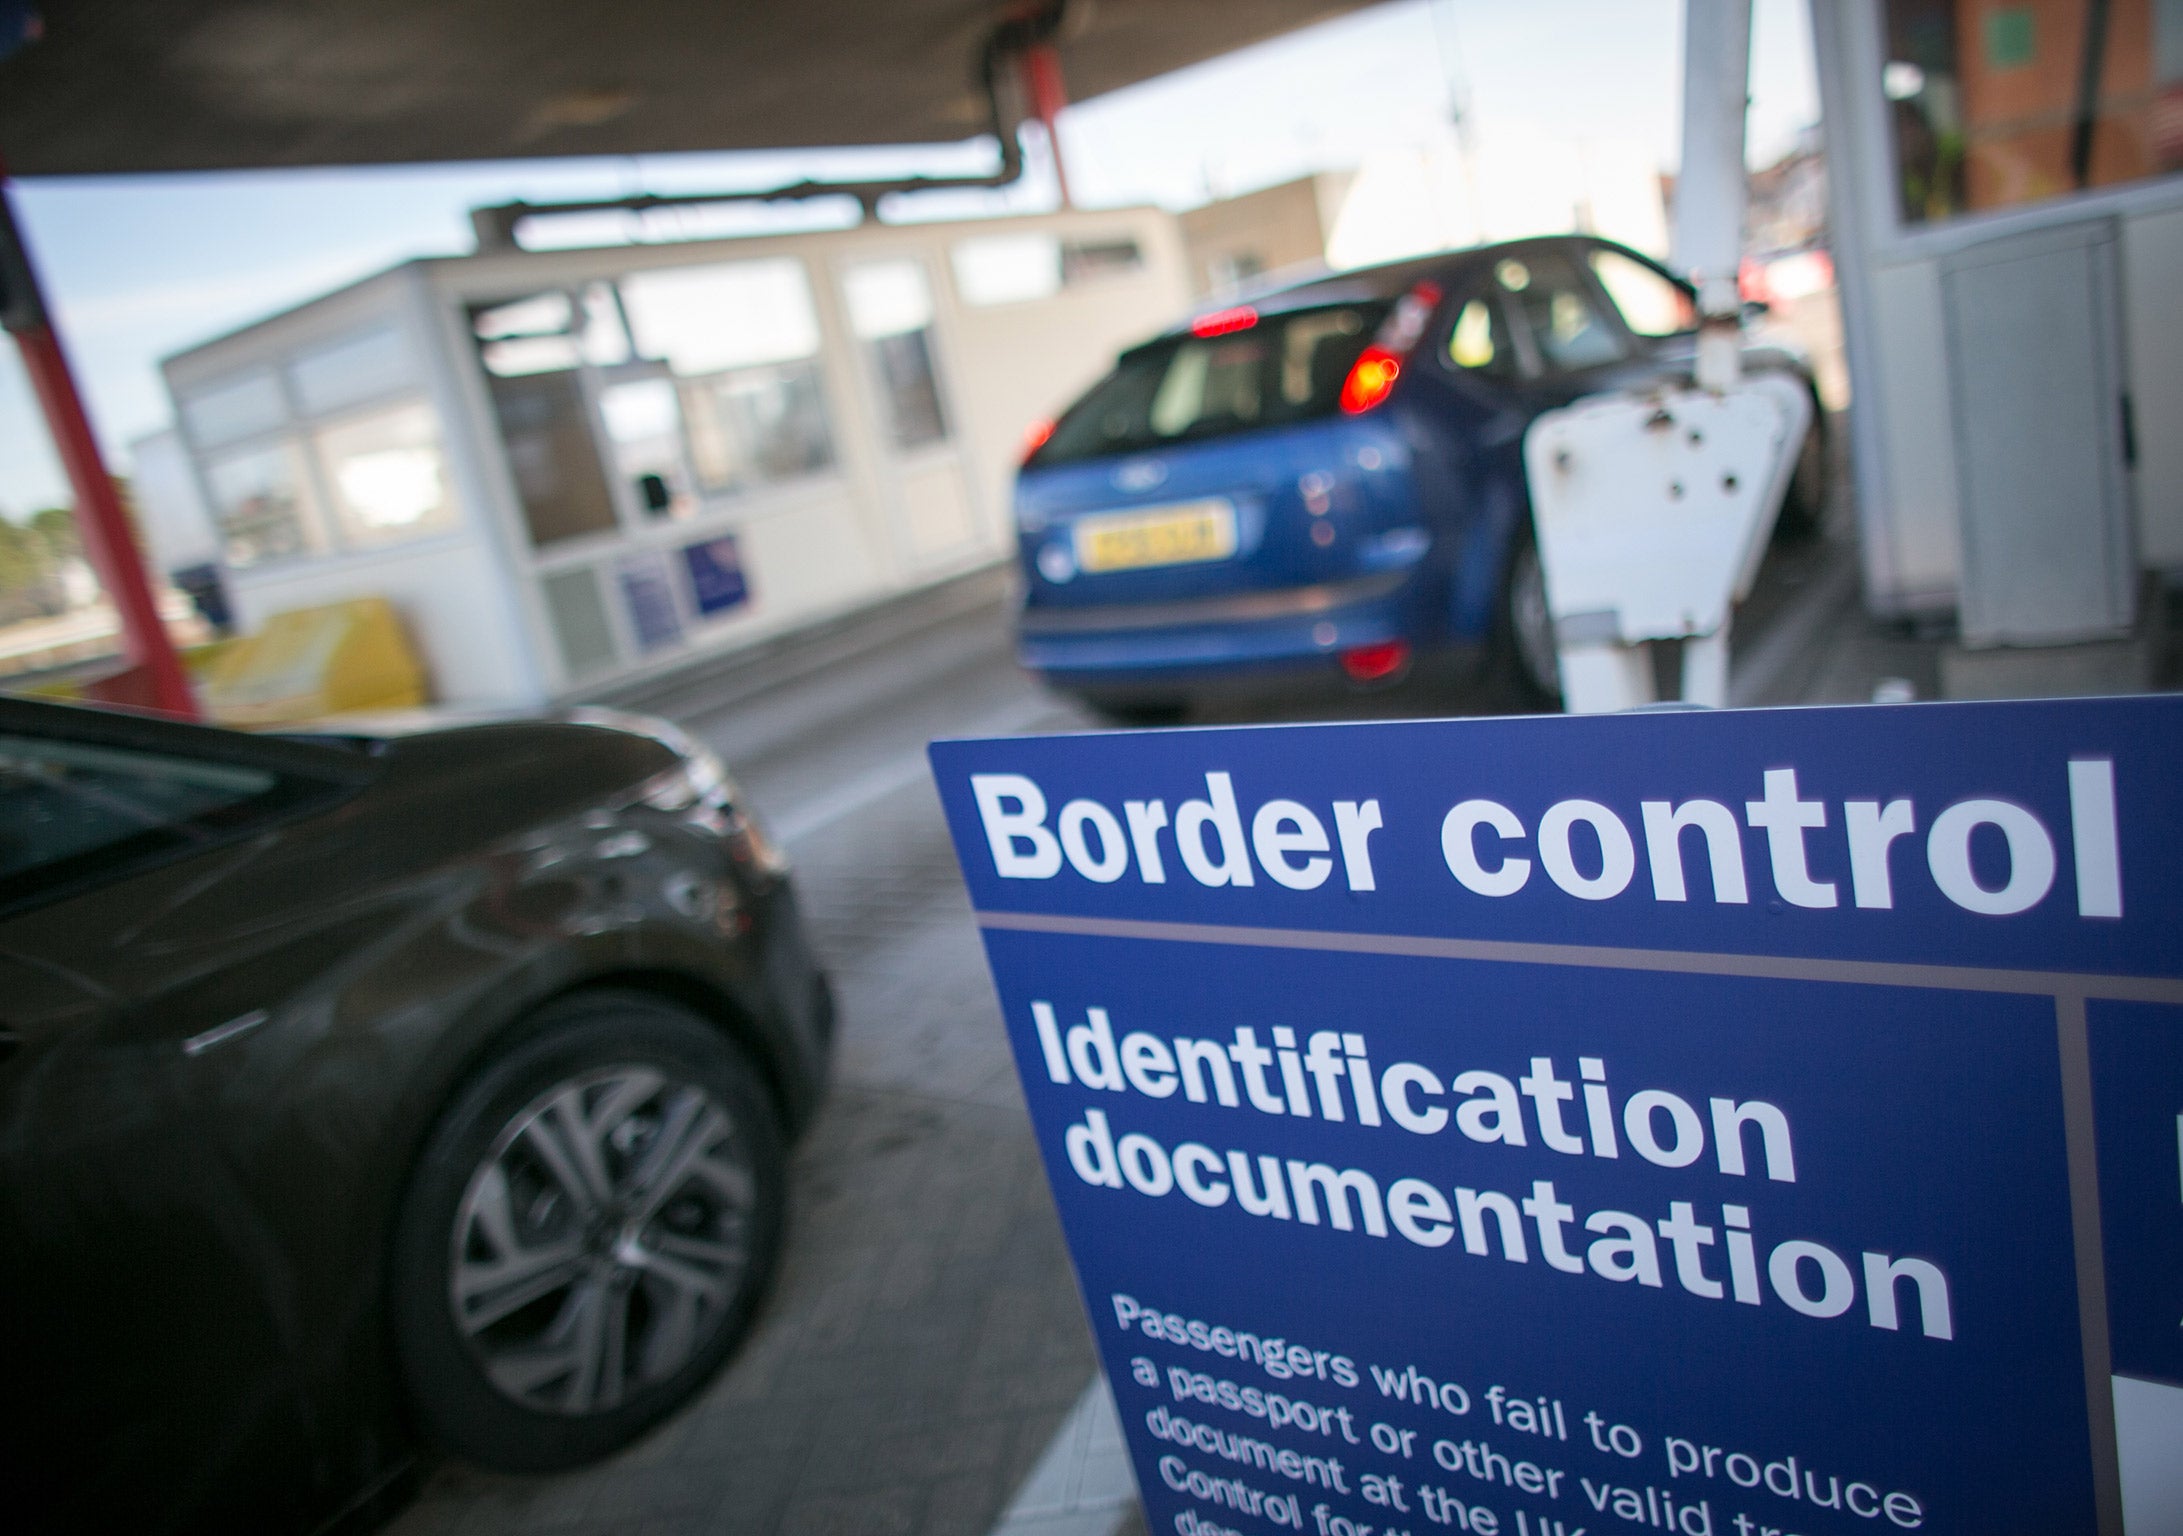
{"x":898,"y":773}
{"x":1082,"y":1485}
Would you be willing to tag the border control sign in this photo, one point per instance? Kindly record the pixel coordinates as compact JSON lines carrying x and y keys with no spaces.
{"x":1732,"y":1124}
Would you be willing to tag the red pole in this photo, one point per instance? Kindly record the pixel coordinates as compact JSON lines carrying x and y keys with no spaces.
{"x":153,"y":678}
{"x":1042,"y":82}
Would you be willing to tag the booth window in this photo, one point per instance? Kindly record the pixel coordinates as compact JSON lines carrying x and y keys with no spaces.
{"x":1995,"y":105}
{"x":741,"y":341}
{"x":386,"y":476}
{"x":643,"y":419}
{"x":354,"y":369}
{"x":234,"y":408}
{"x":377,"y":477}
{"x":263,"y":503}
{"x":1013,"y":268}
{"x":530,"y":350}
{"x":890,"y":310}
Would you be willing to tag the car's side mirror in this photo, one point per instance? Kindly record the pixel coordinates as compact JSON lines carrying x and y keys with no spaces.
{"x":653,"y":492}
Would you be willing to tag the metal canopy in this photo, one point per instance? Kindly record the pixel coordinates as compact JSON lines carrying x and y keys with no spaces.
{"x":151,"y":85}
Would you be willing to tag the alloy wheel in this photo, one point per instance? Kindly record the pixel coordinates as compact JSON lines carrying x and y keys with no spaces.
{"x":602,"y":1240}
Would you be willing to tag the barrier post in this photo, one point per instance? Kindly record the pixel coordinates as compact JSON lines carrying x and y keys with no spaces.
{"x":153,"y":678}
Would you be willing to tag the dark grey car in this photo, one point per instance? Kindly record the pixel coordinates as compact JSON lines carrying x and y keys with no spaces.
{"x":373,"y":1094}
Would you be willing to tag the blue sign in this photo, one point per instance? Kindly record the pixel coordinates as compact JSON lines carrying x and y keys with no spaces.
{"x":715,"y":569}
{"x":650,"y":601}
{"x":1732,"y":1124}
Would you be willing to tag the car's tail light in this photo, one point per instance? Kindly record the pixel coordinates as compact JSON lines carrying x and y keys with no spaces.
{"x":1372,"y":377}
{"x":1376,"y":663}
{"x":1224,"y":322}
{"x":1371,"y":380}
{"x":1034,"y":438}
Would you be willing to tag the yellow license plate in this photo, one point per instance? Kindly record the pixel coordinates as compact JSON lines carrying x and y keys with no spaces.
{"x":1184,"y":534}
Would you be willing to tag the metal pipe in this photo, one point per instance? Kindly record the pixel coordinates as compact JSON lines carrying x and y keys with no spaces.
{"x":1013,"y":37}
{"x":1041,"y":66}
{"x":2086,"y":116}
{"x":153,"y":678}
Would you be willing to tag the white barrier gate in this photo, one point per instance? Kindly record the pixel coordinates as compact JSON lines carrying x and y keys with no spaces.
{"x":1653,"y":511}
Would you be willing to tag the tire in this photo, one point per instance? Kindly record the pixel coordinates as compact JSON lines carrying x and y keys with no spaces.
{"x":1522,"y":671}
{"x":625,"y":1161}
{"x":1804,"y":505}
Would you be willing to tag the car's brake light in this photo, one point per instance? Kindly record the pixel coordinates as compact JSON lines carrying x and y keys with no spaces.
{"x":1372,"y":377}
{"x":1034,"y":438}
{"x":1376,"y":663}
{"x":1223,"y":322}
{"x":1371,"y":380}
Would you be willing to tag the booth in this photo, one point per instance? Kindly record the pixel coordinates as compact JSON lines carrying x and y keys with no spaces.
{"x":569,"y":469}
{"x":2008,"y":233}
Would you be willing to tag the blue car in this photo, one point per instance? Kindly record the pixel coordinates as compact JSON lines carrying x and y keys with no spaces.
{"x":1324,"y":487}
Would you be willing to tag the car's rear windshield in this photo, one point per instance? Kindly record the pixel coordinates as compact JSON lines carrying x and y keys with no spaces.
{"x":1267,"y":372}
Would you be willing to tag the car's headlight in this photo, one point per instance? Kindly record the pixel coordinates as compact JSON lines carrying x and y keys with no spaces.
{"x":699,"y":777}
{"x":699,"y":791}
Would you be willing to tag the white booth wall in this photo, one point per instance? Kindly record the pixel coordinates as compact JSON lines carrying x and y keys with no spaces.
{"x":568,"y":469}
{"x":1895,"y":266}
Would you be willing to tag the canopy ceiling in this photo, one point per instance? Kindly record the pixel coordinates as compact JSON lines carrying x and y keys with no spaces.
{"x":192,"y":85}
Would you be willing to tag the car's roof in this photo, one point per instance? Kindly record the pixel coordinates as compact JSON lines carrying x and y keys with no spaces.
{"x":1280,"y":294}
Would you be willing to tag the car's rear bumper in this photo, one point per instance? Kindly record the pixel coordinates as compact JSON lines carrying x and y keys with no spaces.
{"x":1229,"y":643}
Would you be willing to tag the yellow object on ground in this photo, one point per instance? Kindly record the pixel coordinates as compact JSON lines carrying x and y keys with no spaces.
{"x":313,"y":662}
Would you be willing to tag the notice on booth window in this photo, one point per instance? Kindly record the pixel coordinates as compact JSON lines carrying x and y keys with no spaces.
{"x":1763,"y":1123}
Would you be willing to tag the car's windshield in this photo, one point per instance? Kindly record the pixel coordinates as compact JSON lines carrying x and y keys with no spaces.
{"x":1251,"y":372}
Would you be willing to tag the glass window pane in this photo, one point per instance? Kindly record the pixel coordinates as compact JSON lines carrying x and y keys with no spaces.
{"x":605,"y":336}
{"x":387,"y":476}
{"x":1652,"y":304}
{"x":1277,"y":370}
{"x":887,"y":298}
{"x":356,"y":368}
{"x":890,"y":310}
{"x":61,"y":801}
{"x":1553,"y":303}
{"x":1082,"y":261}
{"x":758,"y":425}
{"x":644,"y":425}
{"x":264,"y":506}
{"x":551,"y":455}
{"x":1992,"y":105}
{"x":702,"y":320}
{"x":524,"y":336}
{"x":234,"y":408}
{"x":742,"y":341}
{"x":1007,"y":269}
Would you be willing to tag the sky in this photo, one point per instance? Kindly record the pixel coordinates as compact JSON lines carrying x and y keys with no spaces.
{"x":136,"y":268}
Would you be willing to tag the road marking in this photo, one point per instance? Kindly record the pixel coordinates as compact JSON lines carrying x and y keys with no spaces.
{"x":896,"y":773}
{"x":1082,"y":1485}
